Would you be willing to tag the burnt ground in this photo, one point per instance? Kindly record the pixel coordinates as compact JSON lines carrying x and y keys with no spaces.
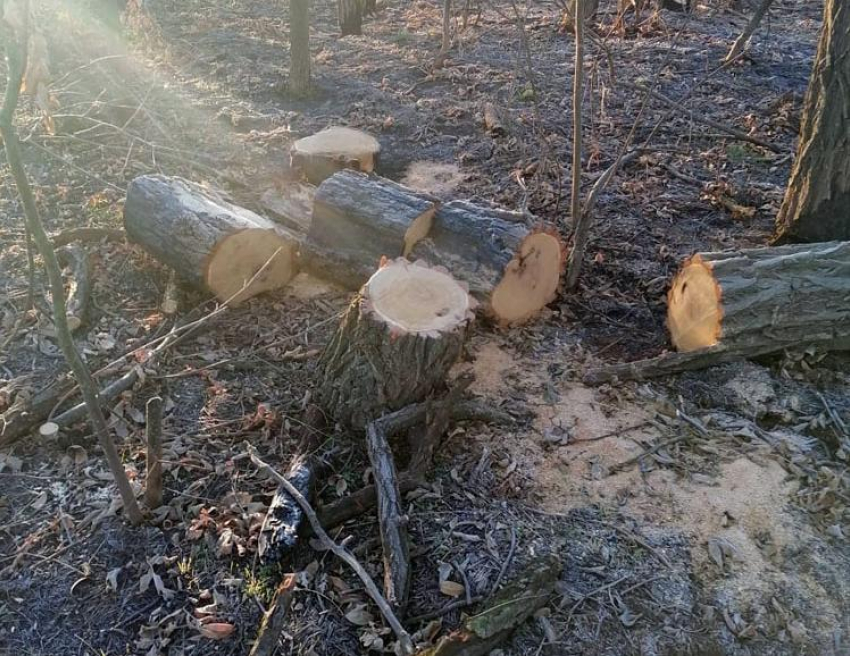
{"x":728,"y":539}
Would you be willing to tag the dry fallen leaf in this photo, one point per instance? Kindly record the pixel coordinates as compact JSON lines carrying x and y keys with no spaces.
{"x":217,"y":630}
{"x":359,"y":615}
{"x":452,"y":588}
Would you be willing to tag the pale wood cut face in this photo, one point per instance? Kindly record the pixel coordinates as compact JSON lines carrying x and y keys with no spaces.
{"x":236,"y":259}
{"x":530,"y":281}
{"x":694,"y":311}
{"x":341,"y":143}
{"x":416,"y":299}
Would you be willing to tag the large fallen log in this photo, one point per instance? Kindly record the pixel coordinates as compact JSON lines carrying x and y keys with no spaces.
{"x":359,"y":219}
{"x":395,"y":344}
{"x":762,"y":300}
{"x":512,"y":269}
{"x":208,"y":241}
{"x":507,"y":610}
{"x":321,"y":155}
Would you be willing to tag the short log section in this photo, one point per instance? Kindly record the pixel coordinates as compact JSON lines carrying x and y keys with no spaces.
{"x":762,"y":300}
{"x":395,"y":344}
{"x":209,"y":242}
{"x":358,"y":220}
{"x":512,"y":269}
{"x":321,"y":155}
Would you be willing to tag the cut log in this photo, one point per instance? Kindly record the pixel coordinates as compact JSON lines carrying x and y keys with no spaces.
{"x":321,"y":155}
{"x":762,"y":300}
{"x":395,"y":344}
{"x":153,"y":435}
{"x":291,"y":205}
{"x":208,"y":241}
{"x":513,"y":270}
{"x":360,"y":219}
{"x":506,"y":611}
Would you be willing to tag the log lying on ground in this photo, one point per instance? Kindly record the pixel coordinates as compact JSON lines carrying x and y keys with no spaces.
{"x":321,"y":155}
{"x":27,"y":412}
{"x":762,"y":300}
{"x":208,"y":241}
{"x":291,"y":205}
{"x":396,"y":343}
{"x":513,"y":270}
{"x":506,"y":611}
{"x":359,"y":219}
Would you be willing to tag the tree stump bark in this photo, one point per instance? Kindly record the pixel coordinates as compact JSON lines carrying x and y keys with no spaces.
{"x":817,"y":201}
{"x":762,"y":300}
{"x":512,"y":269}
{"x":321,"y":155}
{"x":400,"y":336}
{"x":206,"y":240}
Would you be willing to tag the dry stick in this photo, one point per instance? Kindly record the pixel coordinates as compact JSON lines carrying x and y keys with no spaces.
{"x":15,"y":72}
{"x":395,"y":542}
{"x":272,"y":623}
{"x":699,"y":118}
{"x":79,"y":291}
{"x":752,"y":26}
{"x":338,"y":550}
{"x":575,"y":201}
{"x":88,"y":234}
{"x":153,"y":436}
{"x":446,"y":45}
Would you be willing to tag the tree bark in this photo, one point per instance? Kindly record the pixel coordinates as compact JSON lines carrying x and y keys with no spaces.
{"x":395,"y":344}
{"x":762,"y":300}
{"x":817,"y":201}
{"x":299,"y":47}
{"x":752,"y":26}
{"x":209,"y":242}
{"x":350,"y":17}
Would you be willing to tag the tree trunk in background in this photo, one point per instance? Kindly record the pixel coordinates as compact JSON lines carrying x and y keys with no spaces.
{"x":746,"y":35}
{"x":299,"y":47}
{"x":351,"y":17}
{"x":817,"y":201}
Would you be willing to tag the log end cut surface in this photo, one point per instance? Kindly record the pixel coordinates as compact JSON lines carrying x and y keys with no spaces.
{"x":694,"y":309}
{"x":239,"y":257}
{"x":531,"y":279}
{"x":413,"y":298}
{"x":333,"y":149}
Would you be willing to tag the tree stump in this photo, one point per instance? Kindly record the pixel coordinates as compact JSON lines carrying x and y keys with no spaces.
{"x":512,"y":269}
{"x":762,"y":300}
{"x":394,"y":346}
{"x":209,"y":242}
{"x":321,"y":155}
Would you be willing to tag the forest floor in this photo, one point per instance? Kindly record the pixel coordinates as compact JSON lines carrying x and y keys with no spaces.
{"x":702,"y":514}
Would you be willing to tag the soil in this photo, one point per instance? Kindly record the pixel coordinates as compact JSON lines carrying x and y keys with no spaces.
{"x":703,"y":514}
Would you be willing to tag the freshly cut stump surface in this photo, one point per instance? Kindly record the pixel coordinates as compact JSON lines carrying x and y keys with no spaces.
{"x":321,"y":155}
{"x":400,"y":336}
{"x":208,"y":241}
{"x":752,"y":300}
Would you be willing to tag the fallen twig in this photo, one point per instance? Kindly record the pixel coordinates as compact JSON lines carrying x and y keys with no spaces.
{"x":153,"y":434}
{"x":271,"y":624}
{"x":339,"y":551}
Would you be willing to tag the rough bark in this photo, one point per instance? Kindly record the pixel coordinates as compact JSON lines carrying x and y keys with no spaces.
{"x":361,"y":218}
{"x":27,"y":412}
{"x":506,"y":611}
{"x":291,"y":205}
{"x":762,"y":300}
{"x":209,"y":242}
{"x":299,"y":47}
{"x":817,"y":201}
{"x":321,"y":155}
{"x":395,"y":344}
{"x":350,"y":17}
{"x":393,"y":523}
{"x":513,"y":270}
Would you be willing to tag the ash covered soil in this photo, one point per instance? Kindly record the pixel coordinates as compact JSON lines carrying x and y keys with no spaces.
{"x":701,"y":514}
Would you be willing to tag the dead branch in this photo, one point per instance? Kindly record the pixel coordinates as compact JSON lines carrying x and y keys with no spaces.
{"x":14,"y":48}
{"x":339,"y":551}
{"x":153,"y":435}
{"x":701,"y":118}
{"x":88,"y":235}
{"x":752,"y":26}
{"x":271,"y":625}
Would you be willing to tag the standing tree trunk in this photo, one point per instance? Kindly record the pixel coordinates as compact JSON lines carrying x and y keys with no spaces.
{"x":817,"y":201}
{"x":350,"y":17}
{"x":299,"y":47}
{"x":752,"y":26}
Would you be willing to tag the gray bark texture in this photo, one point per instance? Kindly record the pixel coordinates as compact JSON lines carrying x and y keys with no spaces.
{"x":350,"y":17}
{"x":475,"y":243}
{"x":367,"y":370}
{"x":817,"y":201}
{"x":299,"y":47}
{"x":358,"y":219}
